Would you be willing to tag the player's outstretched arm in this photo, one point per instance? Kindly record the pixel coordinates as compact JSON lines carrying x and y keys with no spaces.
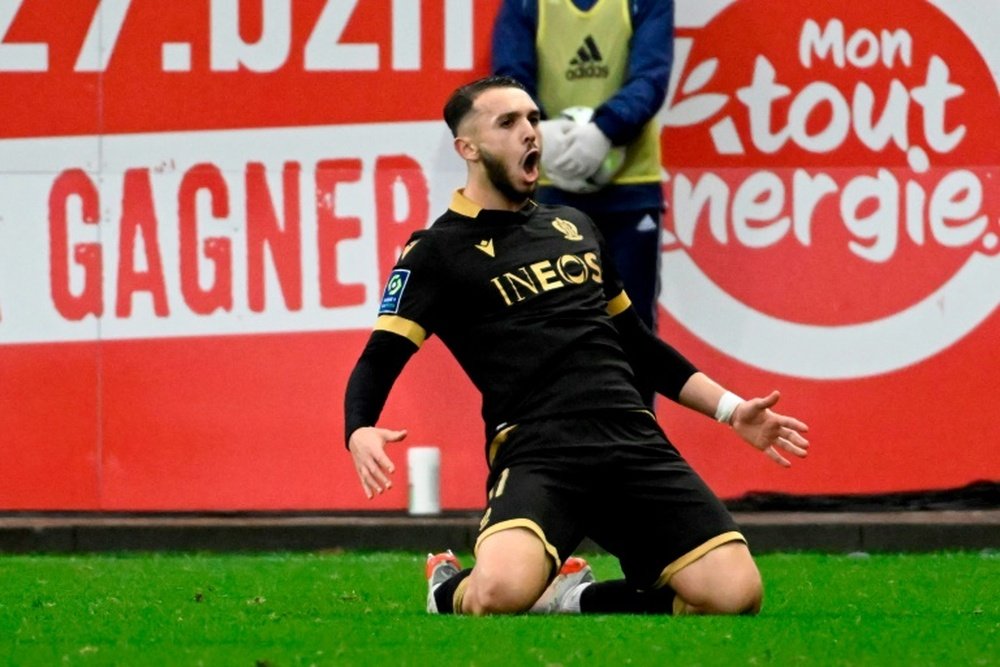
{"x":373,"y":465}
{"x":753,"y":419}
{"x":368,"y":388}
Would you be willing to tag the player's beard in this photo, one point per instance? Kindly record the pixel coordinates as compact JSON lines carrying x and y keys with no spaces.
{"x":501,"y":180}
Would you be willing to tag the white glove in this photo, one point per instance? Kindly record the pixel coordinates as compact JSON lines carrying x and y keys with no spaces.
{"x":553,"y":135}
{"x":585,"y":150}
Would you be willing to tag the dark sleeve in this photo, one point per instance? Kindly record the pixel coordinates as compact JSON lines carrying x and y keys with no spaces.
{"x":651,"y":55}
{"x":406,"y":316}
{"x":380,"y":364}
{"x":657,"y":365}
{"x":513,"y":44}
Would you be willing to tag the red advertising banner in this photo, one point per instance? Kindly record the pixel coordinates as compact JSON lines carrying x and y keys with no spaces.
{"x":199,"y":203}
{"x":833,"y":174}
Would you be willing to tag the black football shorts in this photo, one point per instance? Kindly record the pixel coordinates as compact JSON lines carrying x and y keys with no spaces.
{"x":613,"y":477}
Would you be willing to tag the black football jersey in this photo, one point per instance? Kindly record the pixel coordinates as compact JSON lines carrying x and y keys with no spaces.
{"x":524,"y":302}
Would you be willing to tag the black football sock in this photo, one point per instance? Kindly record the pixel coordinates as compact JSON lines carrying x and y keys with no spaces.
{"x":618,"y":597}
{"x":445,"y":593}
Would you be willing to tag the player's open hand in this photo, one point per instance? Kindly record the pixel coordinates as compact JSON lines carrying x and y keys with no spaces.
{"x":768,"y":431}
{"x":367,"y":445}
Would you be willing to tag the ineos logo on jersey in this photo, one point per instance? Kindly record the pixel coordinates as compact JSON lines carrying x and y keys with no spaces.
{"x":833,"y":205}
{"x":533,"y":279}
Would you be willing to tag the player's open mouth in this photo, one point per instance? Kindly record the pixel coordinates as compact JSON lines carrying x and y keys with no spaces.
{"x":530,"y":163}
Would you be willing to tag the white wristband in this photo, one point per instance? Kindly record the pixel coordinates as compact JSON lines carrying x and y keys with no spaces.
{"x":727,"y":406}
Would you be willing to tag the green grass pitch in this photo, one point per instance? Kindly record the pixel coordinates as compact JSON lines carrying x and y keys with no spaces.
{"x":368,"y":609}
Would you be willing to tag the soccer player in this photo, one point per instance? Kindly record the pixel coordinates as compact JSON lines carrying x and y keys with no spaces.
{"x":525,"y":298}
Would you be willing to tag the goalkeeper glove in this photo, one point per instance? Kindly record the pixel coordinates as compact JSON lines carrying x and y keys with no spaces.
{"x":585,"y":149}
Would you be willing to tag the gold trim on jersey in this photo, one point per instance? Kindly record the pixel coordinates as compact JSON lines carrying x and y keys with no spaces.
{"x":463,"y":205}
{"x":619,"y":304}
{"x":501,"y":484}
{"x":527,"y":524}
{"x":407,"y":248}
{"x":497,"y":442}
{"x":695,"y":554}
{"x":402,"y":327}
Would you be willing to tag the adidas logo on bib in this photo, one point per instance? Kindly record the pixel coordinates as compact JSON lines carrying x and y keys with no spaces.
{"x":588,"y":63}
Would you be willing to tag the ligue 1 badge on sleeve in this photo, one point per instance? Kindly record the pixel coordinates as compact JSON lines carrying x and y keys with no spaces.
{"x":393,"y":293}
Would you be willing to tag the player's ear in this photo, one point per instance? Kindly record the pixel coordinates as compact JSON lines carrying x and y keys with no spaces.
{"x":466,"y":149}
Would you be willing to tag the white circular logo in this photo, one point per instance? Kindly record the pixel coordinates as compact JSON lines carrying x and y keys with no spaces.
{"x":833,"y":192}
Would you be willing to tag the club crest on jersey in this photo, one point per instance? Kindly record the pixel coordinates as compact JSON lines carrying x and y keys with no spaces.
{"x":567,"y":229}
{"x":393,"y":293}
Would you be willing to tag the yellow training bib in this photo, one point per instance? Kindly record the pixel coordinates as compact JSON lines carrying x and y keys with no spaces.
{"x":583,"y":61}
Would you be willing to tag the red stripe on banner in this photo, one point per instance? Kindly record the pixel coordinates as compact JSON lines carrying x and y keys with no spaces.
{"x":236,"y":423}
{"x":49,"y":415}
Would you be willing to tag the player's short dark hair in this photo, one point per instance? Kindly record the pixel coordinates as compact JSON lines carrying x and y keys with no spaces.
{"x":460,"y":102}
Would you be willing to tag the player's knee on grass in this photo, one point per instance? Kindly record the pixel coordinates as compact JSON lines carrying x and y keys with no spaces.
{"x":742,"y":594}
{"x":512,"y":570}
{"x":723,"y":581}
{"x":490,"y":594}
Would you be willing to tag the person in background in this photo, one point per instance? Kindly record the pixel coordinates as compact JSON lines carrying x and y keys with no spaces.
{"x":613,"y":56}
